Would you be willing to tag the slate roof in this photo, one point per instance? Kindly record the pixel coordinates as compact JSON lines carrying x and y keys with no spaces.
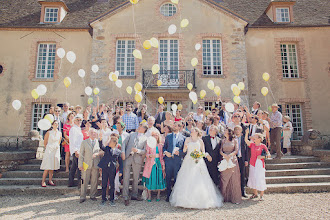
{"x":26,"y":13}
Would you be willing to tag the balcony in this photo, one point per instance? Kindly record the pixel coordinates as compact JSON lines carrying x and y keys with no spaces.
{"x":171,"y":79}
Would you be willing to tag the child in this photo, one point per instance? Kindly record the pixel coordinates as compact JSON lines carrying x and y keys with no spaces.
{"x":112,"y":155}
{"x":257,"y":172}
{"x":287,"y":132}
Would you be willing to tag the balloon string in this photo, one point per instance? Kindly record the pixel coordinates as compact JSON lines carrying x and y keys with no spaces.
{"x":271,"y":91}
{"x":59,"y":71}
{"x":19,"y":127}
{"x":135,"y":25}
{"x":266,"y":102}
{"x":66,"y":94}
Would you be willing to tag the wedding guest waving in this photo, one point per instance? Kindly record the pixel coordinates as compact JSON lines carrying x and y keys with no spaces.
{"x":52,"y":157}
{"x":257,"y":172}
{"x":230,"y":179}
{"x":90,"y":155}
{"x":154,"y":168}
{"x":194,"y":187}
{"x":133,"y":149}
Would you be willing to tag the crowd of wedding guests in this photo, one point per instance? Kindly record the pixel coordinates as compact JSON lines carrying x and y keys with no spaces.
{"x":114,"y":142}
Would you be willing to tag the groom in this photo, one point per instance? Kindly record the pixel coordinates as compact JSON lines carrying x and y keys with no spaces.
{"x":173,"y":151}
{"x":212,"y":149}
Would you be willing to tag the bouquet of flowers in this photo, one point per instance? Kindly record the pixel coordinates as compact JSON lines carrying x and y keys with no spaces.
{"x":197,"y":155}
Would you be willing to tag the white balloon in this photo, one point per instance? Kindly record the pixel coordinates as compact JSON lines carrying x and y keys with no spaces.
{"x":17,"y":104}
{"x":110,"y":76}
{"x":88,"y":91}
{"x":41,"y":89}
{"x":117,"y":73}
{"x":152,"y":142}
{"x":81,"y":73}
{"x":229,"y":107}
{"x":174,"y":107}
{"x":119,"y":83}
{"x":172,"y":29}
{"x":71,"y":56}
{"x":198,"y":46}
{"x":60,"y":52}
{"x":193,"y":96}
{"x":95,"y":68}
{"x":44,"y":124}
{"x":232,"y":86}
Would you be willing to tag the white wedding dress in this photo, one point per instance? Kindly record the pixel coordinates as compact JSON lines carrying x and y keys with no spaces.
{"x":194,"y":187}
{"x":52,"y":157}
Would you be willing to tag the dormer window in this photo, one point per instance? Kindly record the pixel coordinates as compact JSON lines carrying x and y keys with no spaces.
{"x":283,"y":14}
{"x":51,"y":14}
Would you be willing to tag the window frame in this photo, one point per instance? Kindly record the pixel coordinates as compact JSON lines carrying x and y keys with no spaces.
{"x":168,"y":56}
{"x":208,"y":106}
{"x":168,"y":12}
{"x":277,"y":17}
{"x":212,"y":57}
{"x":46,"y":61}
{"x":58,"y":15}
{"x":289,"y":112}
{"x":289,"y":60}
{"x":125,"y":57}
{"x":39,"y":116}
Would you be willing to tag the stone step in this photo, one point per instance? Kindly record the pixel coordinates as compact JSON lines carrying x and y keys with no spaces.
{"x":298,"y":179}
{"x":298,"y":172}
{"x":32,"y":174}
{"x":306,"y":165}
{"x":298,"y":187}
{"x":293,"y":159}
{"x":33,"y":167}
{"x":35,"y":161}
{"x":19,"y":155}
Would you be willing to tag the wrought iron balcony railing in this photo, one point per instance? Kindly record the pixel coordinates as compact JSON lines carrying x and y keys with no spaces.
{"x":170,"y":79}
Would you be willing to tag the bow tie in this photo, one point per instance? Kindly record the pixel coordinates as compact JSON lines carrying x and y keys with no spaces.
{"x":212,"y":137}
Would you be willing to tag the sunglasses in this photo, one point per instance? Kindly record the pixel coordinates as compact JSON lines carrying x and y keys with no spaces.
{"x":237,"y":116}
{"x":57,"y":111}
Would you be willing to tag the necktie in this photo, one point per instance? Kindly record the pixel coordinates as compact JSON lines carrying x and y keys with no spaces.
{"x":160,"y":116}
{"x":212,"y":137}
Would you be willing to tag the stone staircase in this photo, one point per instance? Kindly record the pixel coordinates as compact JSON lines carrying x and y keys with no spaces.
{"x":291,"y":174}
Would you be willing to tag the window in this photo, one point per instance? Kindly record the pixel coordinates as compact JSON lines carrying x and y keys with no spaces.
{"x":125,"y":62}
{"x":123,"y":104}
{"x":212,"y":57}
{"x":51,"y":14}
{"x":168,"y":9}
{"x":289,"y":61}
{"x":37,"y":113}
{"x":294,"y":111}
{"x":169,"y":62}
{"x":167,"y":105}
{"x":282,"y":15}
{"x":46,"y":60}
{"x":209,"y":105}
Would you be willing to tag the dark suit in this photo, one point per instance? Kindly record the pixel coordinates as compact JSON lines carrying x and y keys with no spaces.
{"x":160,"y":117}
{"x":108,"y":165}
{"x":215,"y":154}
{"x":172,"y":164}
{"x":241,"y":161}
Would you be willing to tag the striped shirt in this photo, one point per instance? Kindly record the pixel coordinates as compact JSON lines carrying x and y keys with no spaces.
{"x":131,"y":121}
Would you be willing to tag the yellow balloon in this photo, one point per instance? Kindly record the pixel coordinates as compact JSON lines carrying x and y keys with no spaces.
{"x":180,"y":107}
{"x":159,"y":82}
{"x":147,"y":44}
{"x":161,"y":100}
{"x":114,"y":77}
{"x":207,"y":112}
{"x":49,"y":117}
{"x":241,"y":86}
{"x":34,"y":94}
{"x":129,"y":90}
{"x":138,"y":97}
{"x":213,"y":107}
{"x":67,"y":82}
{"x":154,"y":42}
{"x":138,"y":86}
{"x":96,"y":91}
{"x":90,"y":100}
{"x":265,"y":76}
{"x":134,"y":1}
{"x":217,"y":90}
{"x":175,"y":1}
{"x":264,"y":91}
{"x":202,"y":94}
{"x":210,"y":84}
{"x":155,"y":69}
{"x":236,"y":91}
{"x":237,"y":99}
{"x":194,"y":61}
{"x":137,"y":54}
{"x":189,"y":86}
{"x":194,"y":101}
{"x":184,"y":23}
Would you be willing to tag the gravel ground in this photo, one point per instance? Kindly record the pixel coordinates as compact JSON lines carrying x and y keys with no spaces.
{"x":275,"y":206}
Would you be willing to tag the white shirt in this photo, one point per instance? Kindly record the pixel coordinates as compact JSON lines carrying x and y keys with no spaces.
{"x":64,"y":116}
{"x":150,"y":130}
{"x":213,"y":142}
{"x":198,"y":117}
{"x":239,"y":153}
{"x":105,"y":135}
{"x":75,"y":138}
{"x":252,"y":129}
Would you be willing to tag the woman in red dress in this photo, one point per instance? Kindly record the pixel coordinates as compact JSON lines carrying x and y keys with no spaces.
{"x":66,"y":129}
{"x":178,"y":116}
{"x":85,"y":131}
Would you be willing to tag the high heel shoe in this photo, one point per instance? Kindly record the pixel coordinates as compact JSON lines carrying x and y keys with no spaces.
{"x":157,"y":200}
{"x":42,"y":184}
{"x":149,"y":200}
{"x":51,"y":184}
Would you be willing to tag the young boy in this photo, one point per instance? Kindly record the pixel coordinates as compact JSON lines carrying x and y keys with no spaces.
{"x":112,"y":155}
{"x":287,"y":132}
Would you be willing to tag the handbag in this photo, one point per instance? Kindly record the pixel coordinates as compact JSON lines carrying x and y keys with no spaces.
{"x":40,"y":153}
{"x":264,"y":153}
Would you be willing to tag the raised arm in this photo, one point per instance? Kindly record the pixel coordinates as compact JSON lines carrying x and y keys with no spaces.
{"x":248,"y":143}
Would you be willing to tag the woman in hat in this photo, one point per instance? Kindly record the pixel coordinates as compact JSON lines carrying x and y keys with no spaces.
{"x":287,"y":132}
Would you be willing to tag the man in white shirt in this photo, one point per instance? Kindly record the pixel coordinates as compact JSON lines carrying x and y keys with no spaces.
{"x":106,"y":132}
{"x":255,"y":108}
{"x":58,"y":118}
{"x":151,"y":128}
{"x":75,"y":139}
{"x":198,"y":116}
{"x":65,"y":112}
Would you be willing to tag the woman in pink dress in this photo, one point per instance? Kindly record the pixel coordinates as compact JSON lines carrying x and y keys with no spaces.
{"x":66,"y":128}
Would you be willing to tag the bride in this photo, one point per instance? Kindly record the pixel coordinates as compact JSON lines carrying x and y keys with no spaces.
{"x":194,"y":187}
